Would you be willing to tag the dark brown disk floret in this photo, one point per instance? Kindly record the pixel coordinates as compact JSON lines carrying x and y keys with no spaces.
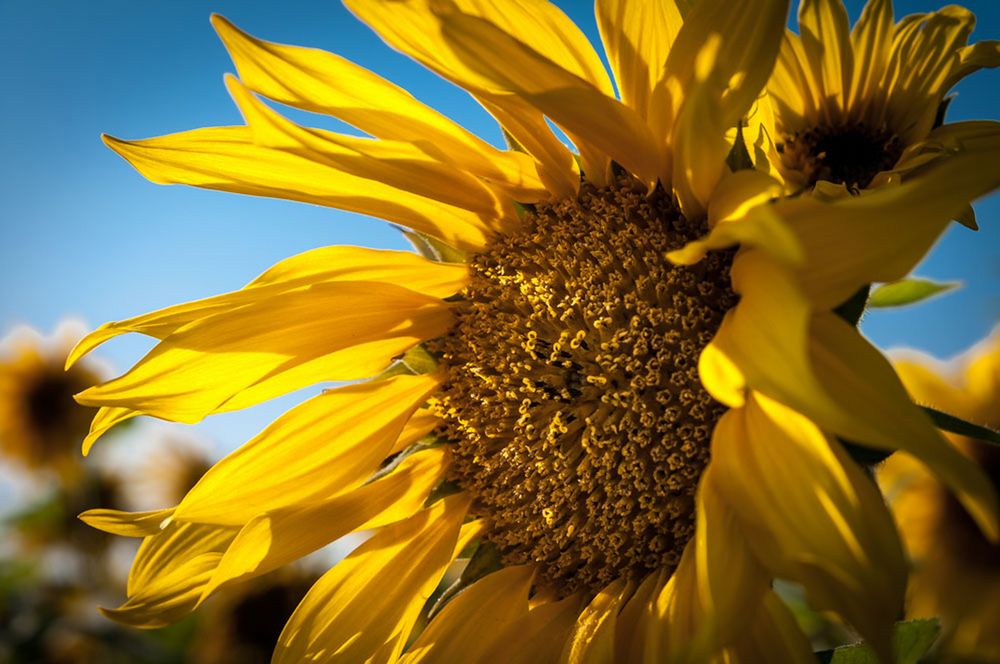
{"x":574,"y":404}
{"x":851,"y":154}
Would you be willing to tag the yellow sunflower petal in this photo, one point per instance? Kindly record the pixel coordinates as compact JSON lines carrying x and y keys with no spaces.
{"x":319,"y":449}
{"x":811,"y":515}
{"x":227,"y":159}
{"x":413,"y":28}
{"x":464,"y":629}
{"x":925,"y":62}
{"x":283,"y":535}
{"x":748,"y":345}
{"x":882,"y":234}
{"x":234,"y":359}
{"x":592,"y":640}
{"x":421,"y":424}
{"x":717,"y":584}
{"x":774,"y":636}
{"x":981,"y":55}
{"x":871,"y":40}
{"x":863,"y":383}
{"x":591,"y":117}
{"x":175,"y":544}
{"x":126,"y":524}
{"x":699,"y":144}
{"x":321,"y":265}
{"x":826,"y":41}
{"x":561,"y":172}
{"x":538,"y":636}
{"x":168,"y":573}
{"x":720,"y":61}
{"x":102,"y":423}
{"x":749,"y":39}
{"x":174,"y":596}
{"x":636,"y":617}
{"x":737,"y":215}
{"x":322,"y":82}
{"x":928,"y":386}
{"x":370,"y":600}
{"x":396,"y":163}
{"x":802,"y":364}
{"x":637,"y":37}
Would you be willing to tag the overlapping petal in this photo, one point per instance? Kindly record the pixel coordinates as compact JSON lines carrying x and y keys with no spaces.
{"x":318,"y":81}
{"x":237,"y":358}
{"x":811,"y":515}
{"x":368,"y":602}
{"x":322,"y":448}
{"x":283,"y":535}
{"x":228,"y":159}
{"x":316,"y":266}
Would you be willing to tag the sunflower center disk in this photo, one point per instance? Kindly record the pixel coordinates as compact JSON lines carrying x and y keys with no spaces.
{"x":578,"y":419}
{"x":850,"y":154}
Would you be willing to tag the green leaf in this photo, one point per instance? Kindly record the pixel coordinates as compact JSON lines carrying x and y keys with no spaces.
{"x":911,"y":641}
{"x":485,"y":560}
{"x":738,"y":158}
{"x":957,"y":425}
{"x":908,"y":291}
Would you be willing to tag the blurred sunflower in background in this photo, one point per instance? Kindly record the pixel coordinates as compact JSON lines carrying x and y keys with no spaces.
{"x":241,"y":627}
{"x":626,"y":426}
{"x":956,"y":573}
{"x":41,"y":426}
{"x":849,"y":104}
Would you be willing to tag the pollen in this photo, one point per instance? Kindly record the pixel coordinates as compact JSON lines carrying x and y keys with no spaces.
{"x":851,"y":154}
{"x":573,"y":403}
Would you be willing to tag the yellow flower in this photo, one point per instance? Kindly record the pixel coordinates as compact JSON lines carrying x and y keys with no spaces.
{"x":41,"y":425}
{"x":547,"y":390}
{"x":850,"y":104}
{"x":956,"y":570}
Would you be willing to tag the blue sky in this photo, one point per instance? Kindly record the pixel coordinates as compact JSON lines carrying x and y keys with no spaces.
{"x":84,"y":235}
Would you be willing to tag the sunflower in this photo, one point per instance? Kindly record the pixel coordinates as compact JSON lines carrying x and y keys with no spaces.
{"x":242,"y":627}
{"x":40,"y":423}
{"x":850,"y":104}
{"x":956,"y":570}
{"x":625,"y":426}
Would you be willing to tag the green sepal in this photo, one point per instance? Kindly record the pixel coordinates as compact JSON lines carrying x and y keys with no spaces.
{"x":523,"y":209}
{"x":853,"y":307}
{"x":870,"y":456}
{"x":419,"y":361}
{"x":738,"y":158}
{"x":953,"y":424}
{"x":908,"y":291}
{"x":443,"y":489}
{"x":911,"y":640}
{"x":413,"y":362}
{"x":485,"y":560}
{"x":432,"y":248}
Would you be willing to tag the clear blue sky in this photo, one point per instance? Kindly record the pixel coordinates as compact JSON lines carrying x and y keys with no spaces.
{"x":84,"y":235}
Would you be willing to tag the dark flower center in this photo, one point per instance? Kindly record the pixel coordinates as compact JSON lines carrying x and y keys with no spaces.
{"x":579,"y":422}
{"x":849,"y":154}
